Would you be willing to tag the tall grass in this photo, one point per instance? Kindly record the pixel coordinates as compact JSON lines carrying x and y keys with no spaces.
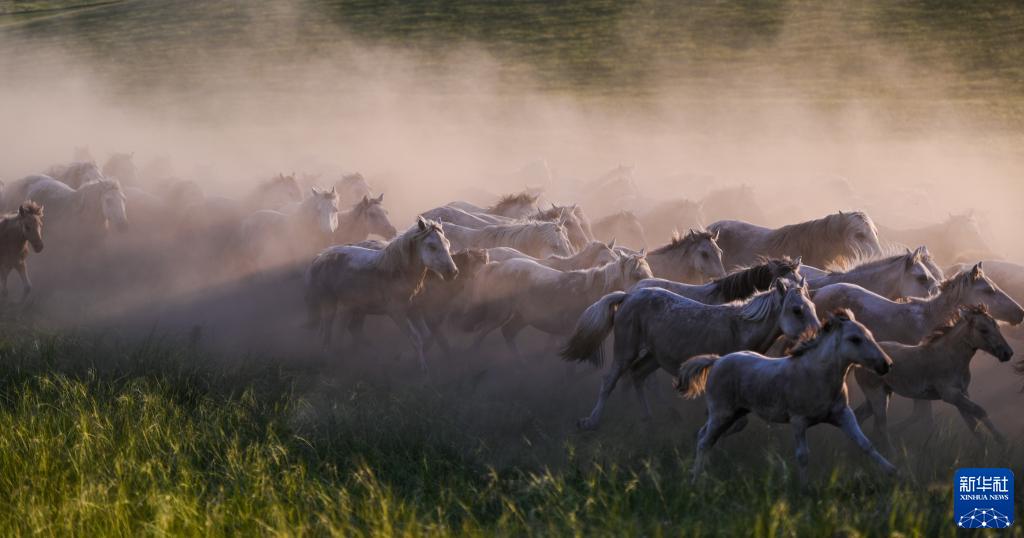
{"x":98,"y":438}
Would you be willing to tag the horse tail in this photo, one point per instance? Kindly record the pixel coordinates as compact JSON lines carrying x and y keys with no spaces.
{"x":591,"y":329}
{"x":692,"y":378}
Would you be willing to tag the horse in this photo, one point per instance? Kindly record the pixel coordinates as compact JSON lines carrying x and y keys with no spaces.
{"x":1007,"y":275}
{"x":737,"y":286}
{"x":910,"y":320}
{"x":592,"y":254}
{"x":310,"y":227}
{"x":668,"y":217}
{"x":834,"y":239}
{"x":956,"y":235}
{"x":274,"y":193}
{"x":18,"y":231}
{"x":75,"y":174}
{"x":88,"y":210}
{"x":693,"y":258}
{"x":624,"y":226}
{"x":367,"y":217}
{"x":366,"y":281}
{"x":611,"y":191}
{"x":121,"y":166}
{"x":522,"y":293}
{"x":440,"y":297}
{"x":657,"y":328}
{"x":515,"y":206}
{"x":806,"y":388}
{"x":351,"y":188}
{"x":538,"y":239}
{"x":939,"y":368}
{"x":568,"y":216}
{"x":894,"y":277}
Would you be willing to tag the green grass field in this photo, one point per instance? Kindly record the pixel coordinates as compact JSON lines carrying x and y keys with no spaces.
{"x":104,"y":438}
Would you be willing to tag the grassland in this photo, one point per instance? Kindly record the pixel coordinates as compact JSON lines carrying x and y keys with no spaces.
{"x":102,"y":438}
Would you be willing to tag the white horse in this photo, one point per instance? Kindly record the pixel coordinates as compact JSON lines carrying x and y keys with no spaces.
{"x":289,"y":236}
{"x":894,"y":277}
{"x":804,"y":389}
{"x":89,"y":210}
{"x":366,"y":281}
{"x":538,"y":239}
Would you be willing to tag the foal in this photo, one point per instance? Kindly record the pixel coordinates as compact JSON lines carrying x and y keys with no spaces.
{"x":17,"y":232}
{"x":937,"y":369}
{"x":806,"y":388}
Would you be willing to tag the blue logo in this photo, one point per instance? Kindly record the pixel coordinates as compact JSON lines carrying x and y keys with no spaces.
{"x":983,"y":498}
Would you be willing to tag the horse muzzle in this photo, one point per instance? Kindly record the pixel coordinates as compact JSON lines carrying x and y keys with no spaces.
{"x":1004,"y":353}
{"x":884,"y":367}
{"x":37,"y":247}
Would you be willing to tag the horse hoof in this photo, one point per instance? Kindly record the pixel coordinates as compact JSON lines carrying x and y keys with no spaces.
{"x":585,"y":425}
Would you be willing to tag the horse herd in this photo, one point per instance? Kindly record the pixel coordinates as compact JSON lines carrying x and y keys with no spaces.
{"x":757,"y":319}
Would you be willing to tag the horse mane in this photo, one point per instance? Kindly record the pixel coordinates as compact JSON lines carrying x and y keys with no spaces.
{"x":398,"y":253}
{"x":279,"y":179}
{"x":746,"y":282}
{"x":509,"y":200}
{"x":956,"y":283}
{"x":684,"y":242}
{"x":811,"y":338}
{"x":914,"y":256}
{"x":624,"y":215}
{"x":29,"y":207}
{"x":953,"y":320}
{"x":516,"y":231}
{"x":760,"y":305}
{"x":816,"y":238}
{"x":101,"y":185}
{"x":551,"y":214}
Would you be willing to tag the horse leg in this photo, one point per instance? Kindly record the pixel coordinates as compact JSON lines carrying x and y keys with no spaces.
{"x":640,"y":385}
{"x":355,"y":330}
{"x":877,"y":404}
{"x":408,"y":326}
{"x":847,"y":422}
{"x":803,"y":452}
{"x":922,"y":413}
{"x":26,"y":283}
{"x":718,"y":423}
{"x":607,"y":386}
{"x":327,"y":315}
{"x":972,"y":414}
{"x":509,"y":330}
{"x":3,"y":284}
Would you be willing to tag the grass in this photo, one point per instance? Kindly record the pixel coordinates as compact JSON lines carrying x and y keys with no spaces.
{"x":101,"y":438}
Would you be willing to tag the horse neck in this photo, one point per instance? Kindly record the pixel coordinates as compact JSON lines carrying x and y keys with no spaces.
{"x":661,"y":261}
{"x":399,"y":259}
{"x":352,"y":223}
{"x":950,"y":348}
{"x":876,"y":276}
{"x":10,"y":232}
{"x":801,"y":240}
{"x":939,"y":307}
{"x":759,"y":334}
{"x":832,"y":365}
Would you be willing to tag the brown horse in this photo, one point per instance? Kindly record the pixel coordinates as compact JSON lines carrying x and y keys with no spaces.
{"x":17,"y":232}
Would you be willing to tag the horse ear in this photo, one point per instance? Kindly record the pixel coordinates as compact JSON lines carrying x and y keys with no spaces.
{"x":380,"y":198}
{"x":21,"y":210}
{"x":314,"y":190}
{"x":976,"y":271}
{"x":419,"y":221}
{"x":643,"y":252}
{"x":798,"y":260}
{"x":366,"y":199}
{"x":334,"y":189}
{"x":611,"y":244}
{"x":715,"y":237}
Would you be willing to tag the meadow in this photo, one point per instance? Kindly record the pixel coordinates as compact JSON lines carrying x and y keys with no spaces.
{"x":108,"y":432}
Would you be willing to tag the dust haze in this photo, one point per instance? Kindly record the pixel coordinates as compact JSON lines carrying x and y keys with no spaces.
{"x":427,"y":124}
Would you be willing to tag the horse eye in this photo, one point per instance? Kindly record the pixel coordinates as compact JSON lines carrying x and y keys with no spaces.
{"x":983,"y":330}
{"x":922,"y":279}
{"x":990,"y":291}
{"x":855,"y":340}
{"x":859,"y":235}
{"x":798,"y":312}
{"x":704,"y":255}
